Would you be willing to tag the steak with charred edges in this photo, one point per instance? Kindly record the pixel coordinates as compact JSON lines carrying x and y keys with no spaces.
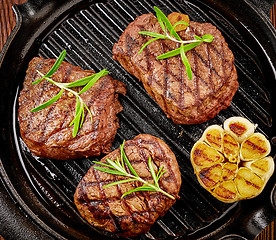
{"x":183,"y":100}
{"x":47,"y":133}
{"x":135,"y":213}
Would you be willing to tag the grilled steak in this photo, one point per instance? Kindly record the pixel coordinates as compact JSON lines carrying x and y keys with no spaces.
{"x":185,"y":101}
{"x":47,"y":133}
{"x":136,"y":212}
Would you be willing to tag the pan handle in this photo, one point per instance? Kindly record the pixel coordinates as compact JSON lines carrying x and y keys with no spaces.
{"x":263,"y":5}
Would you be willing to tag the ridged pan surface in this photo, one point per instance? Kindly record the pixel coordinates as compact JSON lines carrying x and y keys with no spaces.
{"x":89,"y":36}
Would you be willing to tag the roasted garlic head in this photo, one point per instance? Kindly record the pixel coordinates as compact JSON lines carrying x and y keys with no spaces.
{"x":232,"y":162}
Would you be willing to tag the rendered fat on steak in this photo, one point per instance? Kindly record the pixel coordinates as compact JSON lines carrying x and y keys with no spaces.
{"x":47,"y":133}
{"x":183,"y":100}
{"x":136,"y":212}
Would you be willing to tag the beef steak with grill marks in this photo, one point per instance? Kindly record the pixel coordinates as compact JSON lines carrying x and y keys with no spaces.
{"x":47,"y":133}
{"x":183,"y":100}
{"x":136,"y":212}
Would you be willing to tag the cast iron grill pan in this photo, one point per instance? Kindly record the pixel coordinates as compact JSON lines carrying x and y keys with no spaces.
{"x":88,"y":35}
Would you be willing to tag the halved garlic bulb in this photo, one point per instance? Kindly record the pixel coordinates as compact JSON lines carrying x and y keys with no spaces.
{"x":232,"y":163}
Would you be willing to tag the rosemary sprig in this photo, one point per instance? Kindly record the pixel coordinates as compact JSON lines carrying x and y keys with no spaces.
{"x":171,"y":34}
{"x":118,"y":167}
{"x":87,"y":82}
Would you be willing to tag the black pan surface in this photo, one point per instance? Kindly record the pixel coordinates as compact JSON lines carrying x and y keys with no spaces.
{"x":36,"y":195}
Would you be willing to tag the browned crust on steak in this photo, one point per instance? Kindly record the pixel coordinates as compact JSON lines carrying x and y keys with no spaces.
{"x":185,"y":101}
{"x":47,"y":133}
{"x":136,"y":212}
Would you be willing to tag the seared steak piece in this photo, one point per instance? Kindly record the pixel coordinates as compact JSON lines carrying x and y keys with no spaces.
{"x":47,"y":133}
{"x":136,"y":212}
{"x":183,"y":100}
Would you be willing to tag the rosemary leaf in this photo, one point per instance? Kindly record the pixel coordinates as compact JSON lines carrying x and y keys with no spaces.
{"x":83,"y":81}
{"x":152,"y":172}
{"x":186,"y":62}
{"x":122,"y":154}
{"x":162,"y":17}
{"x":147,"y":43}
{"x":190,"y":46}
{"x":38,"y":80}
{"x":127,"y":162}
{"x":159,"y":176}
{"x":82,"y":117}
{"x":48,"y":103}
{"x":108,"y":170}
{"x":160,"y":21}
{"x":159,"y":173}
{"x":88,"y":110}
{"x":119,"y":168}
{"x":76,"y":112}
{"x":138,"y":189}
{"x":120,"y":182}
{"x":169,"y":54}
{"x":77,"y":119}
{"x":56,"y":64}
{"x":103,"y":164}
{"x":54,"y":67}
{"x":207,"y":38}
{"x":198,"y":38}
{"x":153,"y":34}
{"x":93,"y":81}
{"x":120,"y":164}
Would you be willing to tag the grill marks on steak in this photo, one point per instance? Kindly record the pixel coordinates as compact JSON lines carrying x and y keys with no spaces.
{"x":136,"y":212}
{"x":47,"y":132}
{"x":185,"y":101}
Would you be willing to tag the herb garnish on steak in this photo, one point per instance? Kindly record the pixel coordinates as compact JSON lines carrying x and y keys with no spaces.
{"x":170,"y":32}
{"x":183,"y":100}
{"x":121,"y":166}
{"x":47,"y":132}
{"x":136,"y":212}
{"x":86,"y":82}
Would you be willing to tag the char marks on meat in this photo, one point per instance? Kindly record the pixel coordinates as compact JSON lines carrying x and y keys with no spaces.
{"x":47,"y":133}
{"x":183,"y":100}
{"x":135,"y":213}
